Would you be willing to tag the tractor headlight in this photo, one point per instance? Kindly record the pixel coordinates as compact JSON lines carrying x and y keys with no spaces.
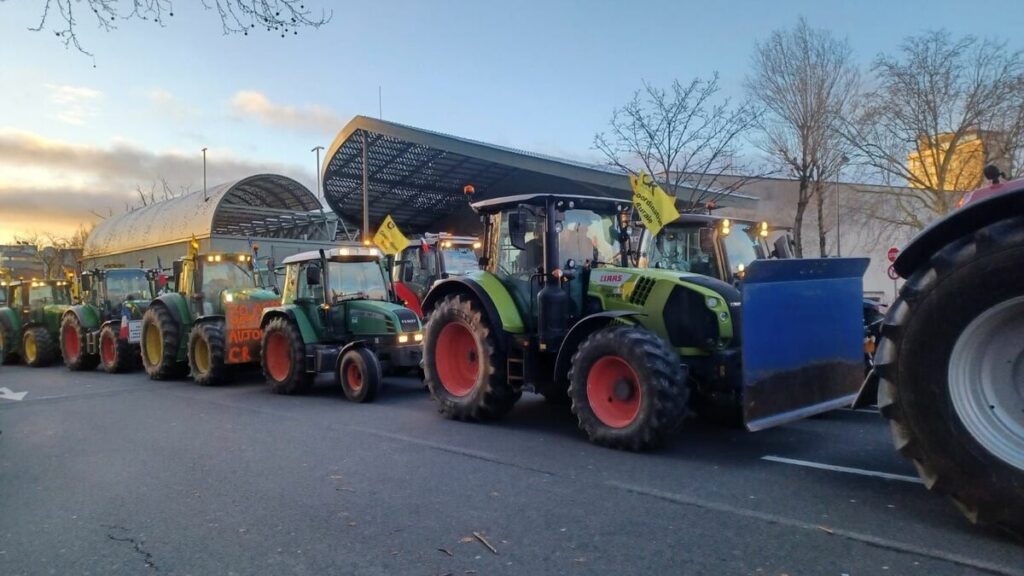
{"x":723,"y":317}
{"x":417,"y":337}
{"x":403,"y":338}
{"x":712,"y":302}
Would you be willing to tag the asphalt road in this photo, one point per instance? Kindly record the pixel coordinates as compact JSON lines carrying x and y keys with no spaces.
{"x":116,"y":475}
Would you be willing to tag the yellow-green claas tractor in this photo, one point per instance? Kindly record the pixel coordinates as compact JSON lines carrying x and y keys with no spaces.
{"x":30,"y":322}
{"x":211,"y":321}
{"x":338,"y":314}
{"x":557,"y":308}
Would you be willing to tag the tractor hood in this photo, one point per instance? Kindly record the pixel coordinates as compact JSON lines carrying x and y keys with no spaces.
{"x":378,"y":317}
{"x":250,"y":295}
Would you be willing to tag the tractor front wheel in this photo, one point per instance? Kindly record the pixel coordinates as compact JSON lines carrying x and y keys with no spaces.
{"x":627,"y":388}
{"x":161,"y":337}
{"x":206,"y":354}
{"x":72,"y":345}
{"x":8,"y":353}
{"x":284,"y":357}
{"x":116,"y":354}
{"x":38,"y":347}
{"x":463,"y":368}
{"x":359,"y":373}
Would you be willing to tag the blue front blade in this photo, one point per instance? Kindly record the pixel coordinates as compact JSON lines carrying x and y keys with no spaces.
{"x":803,"y":338}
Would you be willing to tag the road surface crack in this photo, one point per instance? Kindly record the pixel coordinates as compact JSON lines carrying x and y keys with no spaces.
{"x":137,"y":545}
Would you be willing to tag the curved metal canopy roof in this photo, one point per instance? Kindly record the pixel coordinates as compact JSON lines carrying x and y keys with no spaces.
{"x":260,"y":206}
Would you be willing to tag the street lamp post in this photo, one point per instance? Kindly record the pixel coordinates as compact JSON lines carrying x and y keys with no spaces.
{"x":835,"y":190}
{"x":319,"y":185}
{"x":205,"y":196}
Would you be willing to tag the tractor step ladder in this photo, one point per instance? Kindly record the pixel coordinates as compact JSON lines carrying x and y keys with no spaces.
{"x":516,"y":366}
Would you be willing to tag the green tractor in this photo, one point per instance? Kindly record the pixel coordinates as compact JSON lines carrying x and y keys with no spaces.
{"x":558,"y":309}
{"x":211,"y":322}
{"x":338,"y":315}
{"x":105,"y":328}
{"x":30,"y":322}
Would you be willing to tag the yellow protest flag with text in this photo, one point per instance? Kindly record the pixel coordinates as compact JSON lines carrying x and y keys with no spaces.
{"x":654,"y":206}
{"x":389,"y":238}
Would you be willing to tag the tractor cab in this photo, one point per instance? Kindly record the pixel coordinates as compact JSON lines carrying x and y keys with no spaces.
{"x":210,"y":281}
{"x":36,"y":298}
{"x":30,"y":321}
{"x":107,"y":289}
{"x":715,"y":246}
{"x":434,"y":257}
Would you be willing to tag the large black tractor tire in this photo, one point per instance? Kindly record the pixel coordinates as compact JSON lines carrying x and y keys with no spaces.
{"x":462,"y":365}
{"x":359,"y":373}
{"x":73,"y":345}
{"x":627,"y":388}
{"x":8,"y":348}
{"x":283,"y":359}
{"x":953,"y":337}
{"x":38,"y":347}
{"x":161,"y":338}
{"x":116,"y":354}
{"x":206,"y":353}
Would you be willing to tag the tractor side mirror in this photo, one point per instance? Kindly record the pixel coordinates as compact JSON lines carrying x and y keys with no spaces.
{"x":407,"y":271}
{"x":176,"y":268}
{"x":425,"y":258}
{"x":85,"y":281}
{"x":784,"y":247}
{"x":517,"y":229}
{"x":312,"y":275}
{"x":707,"y":240}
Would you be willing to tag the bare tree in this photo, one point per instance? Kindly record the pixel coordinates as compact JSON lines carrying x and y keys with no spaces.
{"x":923,"y":123}
{"x":686,"y":138}
{"x":282,"y":17}
{"x":52,"y":250}
{"x":805,"y":79}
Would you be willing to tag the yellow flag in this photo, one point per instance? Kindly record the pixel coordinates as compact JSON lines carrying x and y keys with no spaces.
{"x":389,"y":238}
{"x":655,"y":207}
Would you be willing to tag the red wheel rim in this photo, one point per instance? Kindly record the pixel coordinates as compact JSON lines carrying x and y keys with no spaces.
{"x":107,"y":349}
{"x":354,"y":377}
{"x":71,"y":344}
{"x":457,"y":359}
{"x":278,"y":355}
{"x":613,"y":391}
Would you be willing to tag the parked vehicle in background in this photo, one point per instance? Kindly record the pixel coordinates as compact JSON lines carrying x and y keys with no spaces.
{"x":30,"y":323}
{"x":211,"y":322}
{"x":434,"y":257}
{"x":337,"y":314}
{"x":106,"y":326}
{"x":950,"y":363}
{"x":559,"y":309}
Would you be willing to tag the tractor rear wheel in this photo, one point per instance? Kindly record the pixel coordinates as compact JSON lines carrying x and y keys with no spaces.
{"x":72,"y":345}
{"x":8,"y":354}
{"x":359,"y":374}
{"x":206,"y":354}
{"x":38,"y":347}
{"x":463,"y":368}
{"x":284,"y":358}
{"x":116,"y":354}
{"x":161,"y":337}
{"x":950,"y":364}
{"x":627,"y":388}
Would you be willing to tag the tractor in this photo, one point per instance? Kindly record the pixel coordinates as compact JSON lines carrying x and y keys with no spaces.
{"x":436,"y":256}
{"x":30,"y":322}
{"x":337,"y":315}
{"x":211,"y":321}
{"x":105,"y":328}
{"x":949,"y":370}
{"x":557,"y":309}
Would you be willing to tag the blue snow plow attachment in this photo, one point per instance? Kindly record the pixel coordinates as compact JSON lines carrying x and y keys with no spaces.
{"x":803,"y":338}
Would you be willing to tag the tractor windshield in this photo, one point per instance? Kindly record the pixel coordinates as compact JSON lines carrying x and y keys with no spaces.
{"x":225,"y":275}
{"x":588,"y":237}
{"x":356,"y":280}
{"x":460,"y":260}
{"x":45,"y":294}
{"x":126,"y":285}
{"x":679,"y":248}
{"x":740,"y":246}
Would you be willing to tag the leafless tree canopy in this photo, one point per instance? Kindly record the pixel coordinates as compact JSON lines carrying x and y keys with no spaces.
{"x":685,"y":138}
{"x":805,"y":79}
{"x":282,"y":17}
{"x":52,"y":250}
{"x":938,"y":93}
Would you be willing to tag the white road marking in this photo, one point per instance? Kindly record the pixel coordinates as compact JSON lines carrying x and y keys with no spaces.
{"x":7,"y":394}
{"x":846,"y":469}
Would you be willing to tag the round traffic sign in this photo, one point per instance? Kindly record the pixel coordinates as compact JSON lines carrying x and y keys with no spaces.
{"x":892,"y":273}
{"x":892,"y":254}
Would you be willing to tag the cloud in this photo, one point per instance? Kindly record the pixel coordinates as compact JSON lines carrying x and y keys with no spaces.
{"x":76,"y":104}
{"x":49,"y":185}
{"x":169,"y":105}
{"x":312,"y":118}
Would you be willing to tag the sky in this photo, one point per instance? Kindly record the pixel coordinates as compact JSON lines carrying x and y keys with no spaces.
{"x":80,"y":135}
